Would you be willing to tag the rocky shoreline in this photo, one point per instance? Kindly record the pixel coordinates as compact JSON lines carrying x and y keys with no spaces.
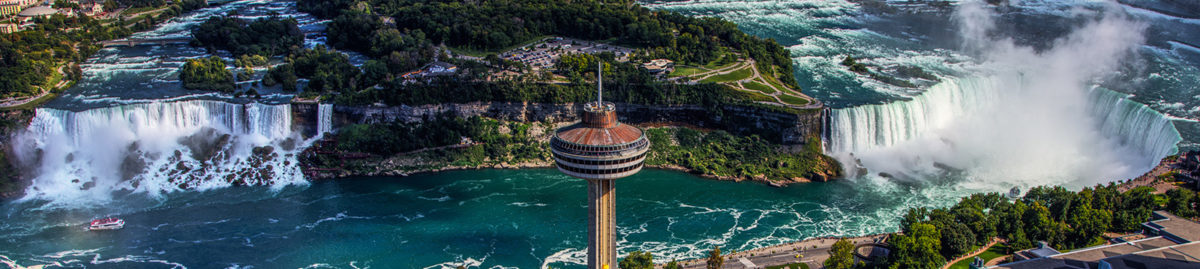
{"x":410,"y":169}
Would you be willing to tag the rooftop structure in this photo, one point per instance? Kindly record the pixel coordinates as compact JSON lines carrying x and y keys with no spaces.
{"x":1173,"y":245}
{"x":600,"y":150}
{"x":1170,"y":226}
{"x":659,"y":66}
{"x":38,"y":11}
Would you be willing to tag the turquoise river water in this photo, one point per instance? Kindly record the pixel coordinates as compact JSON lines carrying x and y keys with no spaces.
{"x":1051,"y":107}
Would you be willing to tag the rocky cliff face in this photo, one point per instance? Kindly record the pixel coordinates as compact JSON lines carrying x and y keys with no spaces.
{"x":786,"y":128}
{"x":11,"y":122}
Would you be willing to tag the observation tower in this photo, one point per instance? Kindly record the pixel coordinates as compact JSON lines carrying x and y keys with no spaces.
{"x":600,"y":149}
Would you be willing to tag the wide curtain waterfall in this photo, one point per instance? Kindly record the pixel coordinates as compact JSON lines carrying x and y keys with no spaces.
{"x":984,"y":127}
{"x":158,"y":147}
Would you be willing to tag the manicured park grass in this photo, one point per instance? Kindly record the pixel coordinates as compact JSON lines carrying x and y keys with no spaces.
{"x":775,"y":82}
{"x":793,"y":100}
{"x":758,"y":87}
{"x":987,"y":255}
{"x":714,"y":65}
{"x":790,"y":266}
{"x":736,"y":75}
{"x":755,"y":96}
{"x":685,"y":71}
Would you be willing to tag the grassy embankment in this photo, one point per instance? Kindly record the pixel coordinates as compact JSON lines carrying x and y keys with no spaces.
{"x":740,"y":75}
{"x":720,"y":154}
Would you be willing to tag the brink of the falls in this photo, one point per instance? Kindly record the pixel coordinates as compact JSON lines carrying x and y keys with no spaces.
{"x":158,"y":147}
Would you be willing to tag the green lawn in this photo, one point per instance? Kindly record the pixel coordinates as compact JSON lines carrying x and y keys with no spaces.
{"x":136,"y":10}
{"x":755,"y":96}
{"x":793,"y":100}
{"x":790,"y":266}
{"x":714,"y":65}
{"x":987,"y":255}
{"x":736,"y":75}
{"x":759,"y":87}
{"x":684,"y":71}
{"x":775,"y":82}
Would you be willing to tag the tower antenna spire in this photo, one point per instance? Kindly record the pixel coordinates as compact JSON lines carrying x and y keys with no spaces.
{"x":599,"y":82}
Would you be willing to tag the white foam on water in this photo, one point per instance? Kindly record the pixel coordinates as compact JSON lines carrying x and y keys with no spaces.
{"x":82,"y":158}
{"x":1033,"y":120}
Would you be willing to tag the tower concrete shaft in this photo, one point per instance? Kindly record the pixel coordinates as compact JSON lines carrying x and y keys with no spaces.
{"x":602,"y":221}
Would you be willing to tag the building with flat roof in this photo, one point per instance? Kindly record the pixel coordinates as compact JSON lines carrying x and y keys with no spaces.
{"x":1174,"y":242}
{"x":659,"y":66}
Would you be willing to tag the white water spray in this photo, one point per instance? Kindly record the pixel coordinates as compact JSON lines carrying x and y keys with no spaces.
{"x":1035,"y":118}
{"x":82,"y":157}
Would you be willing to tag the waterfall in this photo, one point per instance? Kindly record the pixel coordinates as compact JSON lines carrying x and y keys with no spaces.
{"x":158,"y":147}
{"x":324,"y":119}
{"x":998,"y":126}
{"x":1134,"y":124}
{"x":873,"y":126}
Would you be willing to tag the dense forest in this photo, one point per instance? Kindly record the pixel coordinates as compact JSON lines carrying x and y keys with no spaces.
{"x":266,"y":36}
{"x":498,"y":142}
{"x":381,"y":27}
{"x":327,"y":71}
{"x":719,"y":153}
{"x":1064,"y":219}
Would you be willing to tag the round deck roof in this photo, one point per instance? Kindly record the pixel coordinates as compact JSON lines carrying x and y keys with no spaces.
{"x":583,"y":135}
{"x":37,"y":11}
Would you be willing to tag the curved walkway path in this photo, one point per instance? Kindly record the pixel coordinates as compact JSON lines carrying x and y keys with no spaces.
{"x":973,"y":254}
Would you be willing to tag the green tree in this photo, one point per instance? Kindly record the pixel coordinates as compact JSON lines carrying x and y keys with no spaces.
{"x":919,"y":249}
{"x":1086,"y":223}
{"x":637,"y":260}
{"x":1182,"y":202}
{"x":841,"y":255}
{"x":957,"y":239}
{"x":715,"y":260}
{"x":207,"y":74}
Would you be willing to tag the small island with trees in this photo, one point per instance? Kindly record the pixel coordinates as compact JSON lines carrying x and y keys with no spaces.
{"x":430,"y":54}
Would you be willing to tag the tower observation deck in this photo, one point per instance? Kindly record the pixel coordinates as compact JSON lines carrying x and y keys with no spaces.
{"x":600,"y":150}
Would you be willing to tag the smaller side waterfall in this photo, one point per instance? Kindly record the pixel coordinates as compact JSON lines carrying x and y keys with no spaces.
{"x":324,"y":119}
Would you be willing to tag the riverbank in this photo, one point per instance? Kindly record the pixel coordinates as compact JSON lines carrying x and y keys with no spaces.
{"x":360,"y":150}
{"x":814,"y":251}
{"x":811,"y":251}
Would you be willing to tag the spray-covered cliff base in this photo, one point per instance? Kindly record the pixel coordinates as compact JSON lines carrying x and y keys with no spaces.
{"x":738,"y":143}
{"x":10,"y":122}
